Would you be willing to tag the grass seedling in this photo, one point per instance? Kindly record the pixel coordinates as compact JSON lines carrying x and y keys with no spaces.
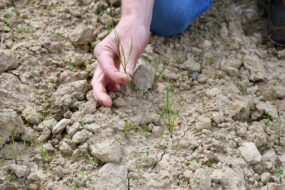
{"x":43,"y":152}
{"x":14,"y":148}
{"x":128,"y":126}
{"x":10,"y":177}
{"x":123,"y":59}
{"x":168,"y":113}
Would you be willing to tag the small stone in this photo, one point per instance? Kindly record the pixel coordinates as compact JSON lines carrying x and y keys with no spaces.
{"x":191,"y":65}
{"x":65,"y":148}
{"x":265,"y":177}
{"x":281,"y":53}
{"x":46,"y":124}
{"x":228,"y":178}
{"x":60,"y":171}
{"x":36,"y":177}
{"x":7,"y":60}
{"x":206,"y":44}
{"x":256,"y":68}
{"x":10,"y":124}
{"x":21,"y":171}
{"x":66,"y":94}
{"x":202,"y":79}
{"x":29,"y":135}
{"x":250,"y":153}
{"x":81,"y":35}
{"x":71,"y":130}
{"x":31,"y":115}
{"x":112,"y":176}
{"x":45,"y":134}
{"x":107,"y":151}
{"x":144,"y":76}
{"x":268,"y":108}
{"x":60,"y":126}
{"x":279,"y":91}
{"x":81,"y":136}
{"x":203,"y":123}
{"x":241,"y":110}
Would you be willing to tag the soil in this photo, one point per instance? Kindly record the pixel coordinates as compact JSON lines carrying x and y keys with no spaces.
{"x":212,"y":117}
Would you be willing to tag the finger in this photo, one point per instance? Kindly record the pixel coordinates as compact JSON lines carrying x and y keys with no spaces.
{"x":106,"y":61}
{"x":99,"y":90}
{"x":114,"y":87}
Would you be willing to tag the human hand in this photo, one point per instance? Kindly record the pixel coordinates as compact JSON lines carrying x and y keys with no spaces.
{"x":110,"y":73}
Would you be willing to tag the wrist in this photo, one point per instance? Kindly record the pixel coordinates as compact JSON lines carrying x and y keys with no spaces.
{"x":138,"y":12}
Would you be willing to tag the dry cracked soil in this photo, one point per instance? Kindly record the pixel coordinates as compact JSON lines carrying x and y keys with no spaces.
{"x":205,"y":111}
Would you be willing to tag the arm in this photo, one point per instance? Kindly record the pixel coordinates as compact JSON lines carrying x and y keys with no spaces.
{"x":134,"y":26}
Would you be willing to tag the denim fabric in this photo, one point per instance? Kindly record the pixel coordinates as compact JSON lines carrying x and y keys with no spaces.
{"x":171,"y":17}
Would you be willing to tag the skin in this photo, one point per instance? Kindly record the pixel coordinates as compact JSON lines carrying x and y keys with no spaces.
{"x":134,"y":25}
{"x":283,"y":3}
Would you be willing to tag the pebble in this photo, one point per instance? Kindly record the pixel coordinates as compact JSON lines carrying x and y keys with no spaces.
{"x":81,"y":136}
{"x":7,"y":60}
{"x":250,"y":153}
{"x":60,"y":126}
{"x":107,"y":151}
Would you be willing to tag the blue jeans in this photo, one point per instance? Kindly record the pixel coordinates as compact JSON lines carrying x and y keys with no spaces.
{"x":171,"y":17}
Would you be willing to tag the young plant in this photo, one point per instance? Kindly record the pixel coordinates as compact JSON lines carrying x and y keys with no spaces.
{"x":122,"y":56}
{"x":128,"y":126}
{"x":169,"y":114}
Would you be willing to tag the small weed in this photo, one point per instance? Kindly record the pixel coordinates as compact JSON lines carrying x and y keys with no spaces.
{"x":74,"y":187}
{"x":10,"y":177}
{"x":85,"y":175}
{"x":109,"y":24}
{"x":132,"y":176}
{"x":209,"y":59}
{"x":72,"y":68}
{"x":265,"y":116}
{"x":134,"y":86}
{"x":168,"y":113}
{"x":122,"y":54}
{"x":190,"y":161}
{"x":210,"y":163}
{"x":18,"y":89}
{"x":14,"y":148}
{"x":59,"y":36}
{"x":242,"y":89}
{"x":49,"y":63}
{"x":278,"y":173}
{"x":43,"y":152}
{"x":23,"y":28}
{"x":128,"y":126}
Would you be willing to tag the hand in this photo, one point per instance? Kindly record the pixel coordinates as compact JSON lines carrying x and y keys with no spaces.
{"x":109,"y":73}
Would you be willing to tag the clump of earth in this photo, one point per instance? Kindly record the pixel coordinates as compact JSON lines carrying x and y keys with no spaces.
{"x":205,"y":112}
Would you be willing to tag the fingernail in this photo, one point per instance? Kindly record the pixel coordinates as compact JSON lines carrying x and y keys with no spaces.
{"x":127,"y":78}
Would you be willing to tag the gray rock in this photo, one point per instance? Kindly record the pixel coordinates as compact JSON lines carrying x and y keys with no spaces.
{"x":201,"y":180}
{"x":71,"y":130}
{"x":65,"y":148}
{"x":31,"y":115}
{"x":60,"y":171}
{"x":268,"y":108}
{"x":241,"y":110}
{"x":81,"y":136}
{"x":256,"y":68}
{"x":10,"y":125}
{"x":279,"y":91}
{"x":81,"y":35}
{"x":107,"y":151}
{"x":228,"y":178}
{"x":45,"y":134}
{"x":7,"y":60}
{"x":203,"y":123}
{"x":28,"y":135}
{"x":250,"y":153}
{"x":112,"y":176}
{"x":60,"y":126}
{"x":191,"y":65}
{"x":144,"y":76}
{"x":46,"y":124}
{"x":21,"y":171}
{"x":36,"y":177}
{"x":67,"y":94}
{"x":265,"y":177}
